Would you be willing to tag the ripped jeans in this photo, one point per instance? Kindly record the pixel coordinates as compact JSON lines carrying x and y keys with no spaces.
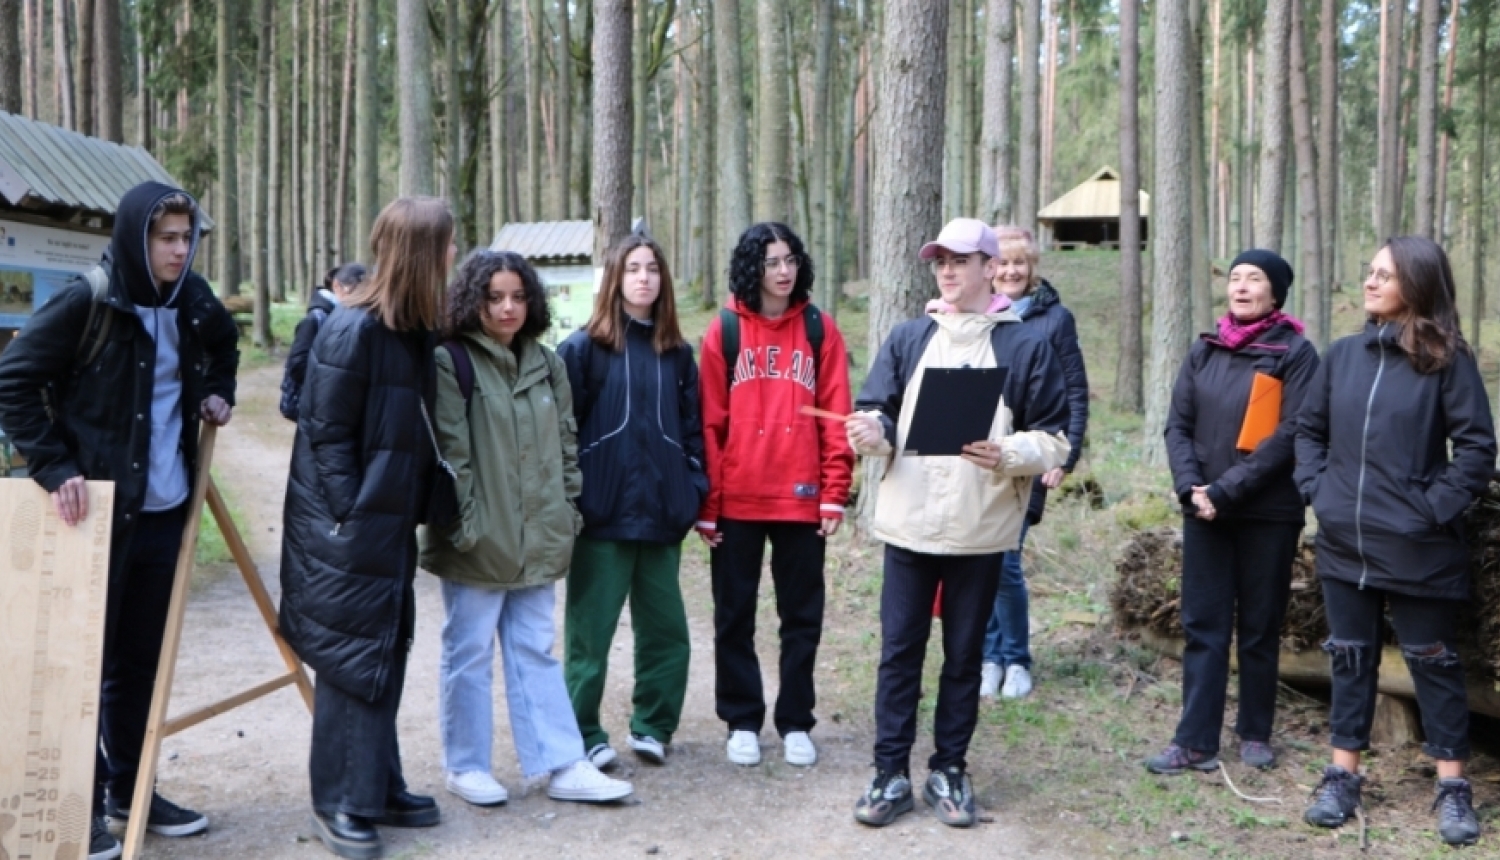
{"x":1424,"y":627}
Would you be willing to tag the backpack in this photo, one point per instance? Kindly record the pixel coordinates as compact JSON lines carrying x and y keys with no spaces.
{"x":729,"y":323}
{"x":96,"y":329}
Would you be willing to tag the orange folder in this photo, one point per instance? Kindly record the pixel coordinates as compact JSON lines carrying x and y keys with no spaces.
{"x":1262,"y":414}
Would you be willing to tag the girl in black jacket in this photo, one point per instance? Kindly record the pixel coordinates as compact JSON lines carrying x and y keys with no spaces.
{"x":362,"y":467}
{"x":338,"y":284}
{"x":1373,"y":460}
{"x":640,"y":446}
{"x":1242,"y":518}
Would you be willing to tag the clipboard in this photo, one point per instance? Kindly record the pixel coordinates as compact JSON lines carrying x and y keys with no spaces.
{"x":955,"y":407}
{"x":1262,"y":413}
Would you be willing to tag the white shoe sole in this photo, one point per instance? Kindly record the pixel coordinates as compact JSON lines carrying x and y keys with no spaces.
{"x":647,"y":752}
{"x":602,"y":794}
{"x":744,"y":759}
{"x":475,"y":798}
{"x":801,"y":761}
{"x":197,"y":825}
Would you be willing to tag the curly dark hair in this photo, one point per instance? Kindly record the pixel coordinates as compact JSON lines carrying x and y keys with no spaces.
{"x":470,"y":292}
{"x":747,"y":263}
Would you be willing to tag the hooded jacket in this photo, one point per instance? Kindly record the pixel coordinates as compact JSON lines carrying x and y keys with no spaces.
{"x":322,"y":304}
{"x":1045,"y":312}
{"x":766,"y":460}
{"x":1372,"y":459}
{"x":640,"y":436}
{"x":97,"y":421}
{"x":1208,"y":406}
{"x":361,"y":472}
{"x":946,"y":505}
{"x":514,"y":449}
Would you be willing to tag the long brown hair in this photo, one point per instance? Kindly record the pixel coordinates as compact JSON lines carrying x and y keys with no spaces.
{"x":607,"y":326}
{"x":409,"y":244}
{"x":1430,"y":331}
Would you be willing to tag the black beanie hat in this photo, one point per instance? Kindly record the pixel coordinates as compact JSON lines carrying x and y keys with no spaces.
{"x":1278,"y":271}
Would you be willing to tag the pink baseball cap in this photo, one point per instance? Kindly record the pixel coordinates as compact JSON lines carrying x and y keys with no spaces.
{"x":963,"y":236}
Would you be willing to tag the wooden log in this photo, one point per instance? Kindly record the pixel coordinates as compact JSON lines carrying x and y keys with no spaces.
{"x":1397,"y":722}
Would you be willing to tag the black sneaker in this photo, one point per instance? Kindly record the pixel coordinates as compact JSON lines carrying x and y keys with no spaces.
{"x":1175,"y":759}
{"x":888,"y":796}
{"x":1457,"y":823}
{"x":166,"y":818}
{"x":951,"y":796}
{"x":102,"y":844}
{"x":1335,"y":798}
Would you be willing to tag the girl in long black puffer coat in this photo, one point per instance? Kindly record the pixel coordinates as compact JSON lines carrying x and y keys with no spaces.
{"x":1373,"y":460}
{"x":362,"y":467}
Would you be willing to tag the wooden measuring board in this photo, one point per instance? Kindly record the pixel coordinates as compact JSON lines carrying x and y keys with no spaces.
{"x":53,"y":580}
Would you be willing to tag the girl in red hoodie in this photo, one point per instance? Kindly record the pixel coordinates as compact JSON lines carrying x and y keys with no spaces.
{"x":774,"y":474}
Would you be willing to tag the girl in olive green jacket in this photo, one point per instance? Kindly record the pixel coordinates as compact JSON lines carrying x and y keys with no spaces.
{"x":504,"y":422}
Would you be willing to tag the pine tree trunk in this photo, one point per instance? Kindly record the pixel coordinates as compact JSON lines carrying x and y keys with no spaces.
{"x":12,"y":97}
{"x":1478,"y":212}
{"x":109,"y":87}
{"x":908,"y":171}
{"x":259,"y":182}
{"x":275,"y":212}
{"x":1027,"y":189}
{"x":1270,"y":207}
{"x":734,"y":152}
{"x":297,"y":248}
{"x":534,"y":109}
{"x":705,"y":236}
{"x":367,"y":122}
{"x":1310,"y":282}
{"x":613,"y":118}
{"x":995,"y":150}
{"x":1427,"y":119}
{"x":823,"y":122}
{"x":326,"y":150}
{"x":562,"y":180}
{"x":1247,"y":145}
{"x":452,"y":103}
{"x":1171,"y":212}
{"x":414,"y":66}
{"x":1049,"y":105}
{"x":32,"y":50}
{"x":346,"y":109}
{"x":682,"y":110}
{"x":1388,"y":218}
{"x":62,"y":54}
{"x":1216,"y":229}
{"x":1201,"y":275}
{"x":225,"y":89}
{"x":1440,"y":211}
{"x":83,"y":82}
{"x":771,"y":129}
{"x":1328,"y":154}
{"x":498,"y":88}
{"x":1128,"y":368}
{"x":311,"y":168}
{"x":145,"y":104}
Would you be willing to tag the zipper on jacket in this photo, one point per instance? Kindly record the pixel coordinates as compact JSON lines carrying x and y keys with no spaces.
{"x":1364,"y":447}
{"x":662,"y":428}
{"x":624,"y":422}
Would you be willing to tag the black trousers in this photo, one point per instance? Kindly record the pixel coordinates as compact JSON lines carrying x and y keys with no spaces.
{"x":1426,"y":629}
{"x":797,"y":574}
{"x":1236,"y":578}
{"x":911,"y":582}
{"x":135,"y":620}
{"x":355,"y":762}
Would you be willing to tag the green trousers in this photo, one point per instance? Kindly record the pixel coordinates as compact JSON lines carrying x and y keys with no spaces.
{"x":603,"y":575}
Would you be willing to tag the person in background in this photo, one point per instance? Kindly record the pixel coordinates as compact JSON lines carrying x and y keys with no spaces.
{"x":774,"y":474}
{"x":641,"y":450}
{"x":110,"y":386}
{"x":1394,"y":441}
{"x":504,"y":423}
{"x":1241,"y":516}
{"x":1007,"y":638}
{"x":338,"y":284}
{"x":361,"y":475}
{"x":947,"y":520}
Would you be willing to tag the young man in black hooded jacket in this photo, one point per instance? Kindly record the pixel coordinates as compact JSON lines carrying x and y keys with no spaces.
{"x":166,"y":358}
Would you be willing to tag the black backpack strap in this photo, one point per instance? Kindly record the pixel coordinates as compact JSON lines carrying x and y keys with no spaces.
{"x":463,"y":369}
{"x":812,"y":318}
{"x":729,"y":332}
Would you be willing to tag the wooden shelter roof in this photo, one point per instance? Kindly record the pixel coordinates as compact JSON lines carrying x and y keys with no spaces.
{"x":1097,"y":197}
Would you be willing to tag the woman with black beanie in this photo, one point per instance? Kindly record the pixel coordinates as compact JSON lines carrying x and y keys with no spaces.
{"x":1229,"y":443}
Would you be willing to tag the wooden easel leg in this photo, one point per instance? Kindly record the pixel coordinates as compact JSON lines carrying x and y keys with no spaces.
{"x":251,"y":574}
{"x":145,"y":779}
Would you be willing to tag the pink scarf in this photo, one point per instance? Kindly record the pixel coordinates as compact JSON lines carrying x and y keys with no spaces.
{"x":1234,"y":334}
{"x":998,"y":303}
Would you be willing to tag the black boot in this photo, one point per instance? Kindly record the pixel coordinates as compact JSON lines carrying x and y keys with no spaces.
{"x":348,"y":836}
{"x":405,"y":809}
{"x":1457,"y":823}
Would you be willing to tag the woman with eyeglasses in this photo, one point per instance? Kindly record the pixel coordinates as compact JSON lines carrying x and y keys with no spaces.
{"x":1394,"y":441}
{"x":774,"y":474}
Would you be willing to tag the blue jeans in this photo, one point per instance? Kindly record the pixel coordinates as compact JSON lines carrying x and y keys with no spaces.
{"x":541,"y":715}
{"x":1007,"y":638}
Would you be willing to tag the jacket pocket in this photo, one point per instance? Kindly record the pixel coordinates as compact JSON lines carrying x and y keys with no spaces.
{"x":603,"y":485}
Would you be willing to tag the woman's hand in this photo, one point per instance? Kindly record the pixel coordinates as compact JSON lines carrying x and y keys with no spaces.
{"x":986,"y":455}
{"x":1204,"y":504}
{"x":863,"y":430}
{"x":1052,"y":479}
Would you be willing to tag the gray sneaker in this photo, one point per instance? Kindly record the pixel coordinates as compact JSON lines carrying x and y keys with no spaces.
{"x":888,"y":796}
{"x":1175,"y":759}
{"x":1257,"y":754}
{"x":1457,"y":823}
{"x":1335,"y":798}
{"x":950,"y":793}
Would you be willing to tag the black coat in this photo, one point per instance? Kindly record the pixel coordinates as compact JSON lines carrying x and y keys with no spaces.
{"x":295,"y":371}
{"x":1208,"y":408}
{"x":1372,"y":459}
{"x":102,"y":426}
{"x":640,"y":437}
{"x":361,"y":470}
{"x":1055,"y":323}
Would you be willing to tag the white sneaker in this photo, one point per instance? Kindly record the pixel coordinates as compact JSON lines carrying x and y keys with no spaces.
{"x":648,"y":748}
{"x":743,"y":748}
{"x":582,"y":781}
{"x":478,"y":788}
{"x":990,"y":678}
{"x":1017,"y":683}
{"x":799,"y":750}
{"x":603,"y":756}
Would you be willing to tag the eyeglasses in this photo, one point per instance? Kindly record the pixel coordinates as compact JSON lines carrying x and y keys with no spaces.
{"x":942,"y":263}
{"x":1381,"y":276}
{"x":791,"y":262}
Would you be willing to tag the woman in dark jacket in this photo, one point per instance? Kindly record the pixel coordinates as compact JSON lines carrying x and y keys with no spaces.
{"x":338,"y":284}
{"x":362,"y":466}
{"x":1229,"y":442}
{"x":1007,"y":646}
{"x":640,"y":446}
{"x":1373,"y":460}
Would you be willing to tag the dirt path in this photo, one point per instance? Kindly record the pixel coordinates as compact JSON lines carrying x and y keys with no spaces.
{"x":247,"y":769}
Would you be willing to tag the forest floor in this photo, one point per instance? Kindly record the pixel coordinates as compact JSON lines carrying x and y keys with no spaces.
{"x":1057,"y":775}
